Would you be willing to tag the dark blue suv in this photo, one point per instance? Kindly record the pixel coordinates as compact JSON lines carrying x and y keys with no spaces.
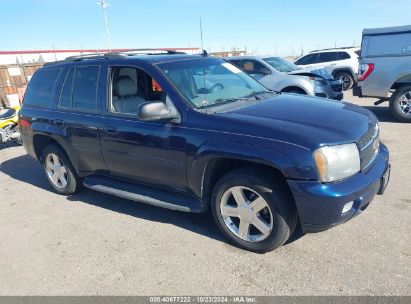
{"x":193,"y":132}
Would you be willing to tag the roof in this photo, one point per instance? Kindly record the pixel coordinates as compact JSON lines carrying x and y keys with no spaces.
{"x":387,"y":30}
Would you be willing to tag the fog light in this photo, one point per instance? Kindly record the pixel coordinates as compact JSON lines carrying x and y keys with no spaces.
{"x":347,"y":207}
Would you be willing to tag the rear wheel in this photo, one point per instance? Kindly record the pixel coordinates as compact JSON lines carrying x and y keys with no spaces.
{"x":346,"y":79}
{"x":254,"y":210}
{"x":59,"y":171}
{"x":400,"y":104}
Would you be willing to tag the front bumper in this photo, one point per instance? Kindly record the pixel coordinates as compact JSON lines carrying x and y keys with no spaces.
{"x":320,"y":205}
{"x":332,"y":90}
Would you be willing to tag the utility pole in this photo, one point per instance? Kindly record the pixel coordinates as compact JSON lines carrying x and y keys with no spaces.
{"x":104,"y":6}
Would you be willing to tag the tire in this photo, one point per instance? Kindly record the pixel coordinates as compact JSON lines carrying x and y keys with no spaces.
{"x":255,"y":186}
{"x":18,"y":140}
{"x":54,"y":155}
{"x":400,"y":104}
{"x":346,"y":78}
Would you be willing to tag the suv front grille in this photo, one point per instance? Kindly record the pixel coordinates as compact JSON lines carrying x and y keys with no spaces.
{"x":368,"y":146}
{"x":337,"y":87}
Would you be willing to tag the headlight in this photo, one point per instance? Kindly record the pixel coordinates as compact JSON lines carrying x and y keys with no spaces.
{"x":337,"y":162}
{"x":320,"y":82}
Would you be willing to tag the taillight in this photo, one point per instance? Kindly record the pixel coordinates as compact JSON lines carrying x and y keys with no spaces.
{"x":364,"y":70}
{"x":24,"y":123}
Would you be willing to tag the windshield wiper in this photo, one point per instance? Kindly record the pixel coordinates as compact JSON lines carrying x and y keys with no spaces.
{"x":256,"y":93}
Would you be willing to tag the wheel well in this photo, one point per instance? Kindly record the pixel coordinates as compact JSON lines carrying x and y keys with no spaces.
{"x":336,"y":72}
{"x":406,"y":80}
{"x":217,"y":168}
{"x":294,"y":89}
{"x":40,"y":142}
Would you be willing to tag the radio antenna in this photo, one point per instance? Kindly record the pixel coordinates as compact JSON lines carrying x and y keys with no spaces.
{"x":201,"y":35}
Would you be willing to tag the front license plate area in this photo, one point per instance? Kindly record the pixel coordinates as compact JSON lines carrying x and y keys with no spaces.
{"x":384,"y":180}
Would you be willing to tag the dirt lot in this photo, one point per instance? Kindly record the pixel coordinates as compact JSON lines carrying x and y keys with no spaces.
{"x":93,"y":243}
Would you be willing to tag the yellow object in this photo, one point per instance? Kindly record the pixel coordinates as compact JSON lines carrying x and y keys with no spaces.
{"x":10,"y":117}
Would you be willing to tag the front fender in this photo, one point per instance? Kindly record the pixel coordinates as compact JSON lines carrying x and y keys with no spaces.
{"x":294,"y":162}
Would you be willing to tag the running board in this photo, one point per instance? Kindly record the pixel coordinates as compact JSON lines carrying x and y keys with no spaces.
{"x":144,"y":194}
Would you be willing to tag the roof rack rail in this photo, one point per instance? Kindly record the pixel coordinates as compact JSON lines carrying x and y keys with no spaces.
{"x":92,"y":56}
{"x":336,"y":48}
{"x":115,"y":55}
{"x":86,"y":57}
{"x":133,"y":52}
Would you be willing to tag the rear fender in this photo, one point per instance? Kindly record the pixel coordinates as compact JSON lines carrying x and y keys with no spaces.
{"x":57,"y":134}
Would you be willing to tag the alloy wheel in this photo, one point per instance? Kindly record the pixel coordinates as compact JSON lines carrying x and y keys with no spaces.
{"x":56,"y":171}
{"x":246,"y":214}
{"x":405,"y":103}
{"x":345,"y":81}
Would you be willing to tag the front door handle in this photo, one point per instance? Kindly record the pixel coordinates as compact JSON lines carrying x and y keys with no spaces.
{"x":110,"y":130}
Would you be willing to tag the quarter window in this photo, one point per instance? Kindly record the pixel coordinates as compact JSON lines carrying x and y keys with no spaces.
{"x":344,"y":55}
{"x":42,"y":88}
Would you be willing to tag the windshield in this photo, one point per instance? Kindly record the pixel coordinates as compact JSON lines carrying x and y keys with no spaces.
{"x":281,"y":65}
{"x":206,"y":82}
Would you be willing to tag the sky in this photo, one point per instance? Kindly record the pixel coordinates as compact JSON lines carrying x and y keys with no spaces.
{"x":281,"y":27}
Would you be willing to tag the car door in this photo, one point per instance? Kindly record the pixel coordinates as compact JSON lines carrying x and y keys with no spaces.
{"x":147,"y":152}
{"x":78,"y":115}
{"x":330,"y":59}
{"x":309,"y":60}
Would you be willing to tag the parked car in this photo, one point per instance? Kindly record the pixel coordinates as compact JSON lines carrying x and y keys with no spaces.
{"x":192,"y":132}
{"x":308,"y":83}
{"x":341,"y":63}
{"x":324,"y":83}
{"x":385,"y":68}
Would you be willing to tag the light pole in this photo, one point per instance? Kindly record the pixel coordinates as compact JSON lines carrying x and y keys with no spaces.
{"x":104,"y":6}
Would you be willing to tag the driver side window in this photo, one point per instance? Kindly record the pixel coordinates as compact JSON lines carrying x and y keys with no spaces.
{"x":130,"y":88}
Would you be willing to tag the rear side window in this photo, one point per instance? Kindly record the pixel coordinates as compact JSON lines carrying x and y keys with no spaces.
{"x":329,"y":56}
{"x":42,"y":88}
{"x":65,"y":97}
{"x":80,"y":88}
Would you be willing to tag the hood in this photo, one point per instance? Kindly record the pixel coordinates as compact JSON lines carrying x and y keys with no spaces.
{"x":304,"y":120}
{"x":317,"y":72}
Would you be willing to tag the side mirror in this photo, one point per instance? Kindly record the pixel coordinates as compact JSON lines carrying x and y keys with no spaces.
{"x":157,"y":110}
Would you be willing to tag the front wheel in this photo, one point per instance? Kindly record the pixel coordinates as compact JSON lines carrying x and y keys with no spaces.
{"x":59,"y":170}
{"x":254,"y":210}
{"x":400,"y":104}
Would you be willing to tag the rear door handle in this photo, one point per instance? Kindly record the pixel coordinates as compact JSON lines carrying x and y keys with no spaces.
{"x":58,"y":122}
{"x":110,"y":130}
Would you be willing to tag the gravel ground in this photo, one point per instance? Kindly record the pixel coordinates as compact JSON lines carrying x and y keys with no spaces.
{"x":97,"y":244}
